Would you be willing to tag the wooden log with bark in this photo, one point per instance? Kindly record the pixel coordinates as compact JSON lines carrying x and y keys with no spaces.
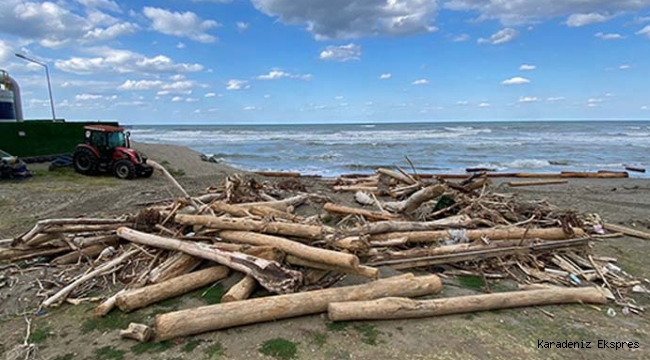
{"x":403,"y":308}
{"x":270,"y":274}
{"x":226,"y":315}
{"x":292,"y":247}
{"x":241,"y":290}
{"x":147,"y":295}
{"x":139,"y":332}
{"x":267,"y":227}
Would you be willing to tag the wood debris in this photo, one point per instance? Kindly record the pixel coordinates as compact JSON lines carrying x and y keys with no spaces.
{"x":403,"y":221}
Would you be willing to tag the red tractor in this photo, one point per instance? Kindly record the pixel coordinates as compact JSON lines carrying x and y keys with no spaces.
{"x":107,"y":149}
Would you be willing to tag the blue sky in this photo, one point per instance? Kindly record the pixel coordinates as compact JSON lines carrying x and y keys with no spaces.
{"x":320,"y":61}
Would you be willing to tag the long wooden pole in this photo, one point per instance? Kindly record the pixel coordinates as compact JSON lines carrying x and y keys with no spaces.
{"x":226,"y":315}
{"x":512,"y":233}
{"x":270,"y":274}
{"x":144,"y":296}
{"x":402,"y":308}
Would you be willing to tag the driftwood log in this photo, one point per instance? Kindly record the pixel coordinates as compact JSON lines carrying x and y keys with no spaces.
{"x":270,"y":274}
{"x":346,"y":210}
{"x":144,"y":296}
{"x":402,"y":308}
{"x":241,"y":290}
{"x":267,"y":227}
{"x":512,"y":233}
{"x":226,"y":315}
{"x":177,"y":264}
{"x":365,"y":271}
{"x":330,"y":257}
{"x":139,"y":332}
{"x":627,"y":231}
{"x":536,"y":183}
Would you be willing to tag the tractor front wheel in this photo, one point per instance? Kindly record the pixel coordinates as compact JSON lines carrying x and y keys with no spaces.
{"x":124,"y":169}
{"x":84,"y":161}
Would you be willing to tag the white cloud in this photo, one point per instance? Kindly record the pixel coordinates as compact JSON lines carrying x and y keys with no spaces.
{"x":101,"y":4}
{"x":122,"y":61}
{"x":624,"y":67}
{"x":235,"y":84}
{"x":186,"y":24}
{"x":644,"y":31}
{"x":462,"y":102}
{"x":328,"y":19}
{"x":577,"y":20}
{"x":420,"y":82}
{"x":611,"y":36}
{"x":594,"y":100}
{"x":461,"y":38}
{"x":555,"y":98}
{"x":645,"y":107}
{"x":267,"y":96}
{"x":180,"y":45}
{"x":609,"y":95}
{"x":242,"y":26}
{"x":339,"y":97}
{"x":54,"y":24}
{"x":528,"y":99}
{"x":111,"y":32}
{"x":279,"y":74}
{"x":484,"y":105}
{"x":526,"y":67}
{"x":592,"y":105}
{"x":209,"y":95}
{"x":177,"y":99}
{"x":190,"y":100}
{"x":517,"y":80}
{"x":385,"y":76}
{"x":341,"y":53}
{"x":250,"y":108}
{"x":165,"y":88}
{"x":84,"y":97}
{"x":140,"y":85}
{"x":511,"y":13}
{"x":500,"y":37}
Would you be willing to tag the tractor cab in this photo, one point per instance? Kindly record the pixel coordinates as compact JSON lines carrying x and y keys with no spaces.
{"x":107,"y":149}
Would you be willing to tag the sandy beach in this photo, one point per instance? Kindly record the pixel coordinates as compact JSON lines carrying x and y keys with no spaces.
{"x":496,"y":335}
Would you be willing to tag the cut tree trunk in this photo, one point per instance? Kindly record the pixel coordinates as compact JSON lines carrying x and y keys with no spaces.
{"x":381,"y":227}
{"x":270,"y":274}
{"x":281,"y":205}
{"x":292,"y":247}
{"x":397,"y":176}
{"x":365,"y":271}
{"x":421,"y":196}
{"x":177,"y":264}
{"x":403,"y":308}
{"x":267,"y":227}
{"x":241,"y":290}
{"x":144,"y":296}
{"x":226,"y":315}
{"x":139,"y":332}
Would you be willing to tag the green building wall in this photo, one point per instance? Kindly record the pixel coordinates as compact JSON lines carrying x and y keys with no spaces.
{"x":33,"y":138}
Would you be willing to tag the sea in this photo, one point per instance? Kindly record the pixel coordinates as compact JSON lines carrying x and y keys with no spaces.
{"x":450,"y":147}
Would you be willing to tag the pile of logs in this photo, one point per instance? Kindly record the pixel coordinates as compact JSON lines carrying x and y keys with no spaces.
{"x":402,"y":221}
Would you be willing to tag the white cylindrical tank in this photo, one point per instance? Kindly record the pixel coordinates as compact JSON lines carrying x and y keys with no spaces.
{"x":10,"y":102}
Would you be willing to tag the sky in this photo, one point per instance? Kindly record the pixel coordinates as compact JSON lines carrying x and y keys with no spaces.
{"x":330,"y":61}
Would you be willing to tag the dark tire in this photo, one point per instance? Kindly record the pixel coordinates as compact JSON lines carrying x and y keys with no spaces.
{"x":84,"y":161}
{"x":147,"y":173}
{"x":124,"y":169}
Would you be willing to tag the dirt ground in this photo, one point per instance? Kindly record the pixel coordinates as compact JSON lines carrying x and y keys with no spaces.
{"x":71,"y":332}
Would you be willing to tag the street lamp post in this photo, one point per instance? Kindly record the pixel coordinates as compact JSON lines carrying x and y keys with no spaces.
{"x":47,"y":74}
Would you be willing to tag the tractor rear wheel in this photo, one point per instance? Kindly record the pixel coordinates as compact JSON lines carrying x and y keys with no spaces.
{"x":124,"y":169}
{"x":84,"y":161}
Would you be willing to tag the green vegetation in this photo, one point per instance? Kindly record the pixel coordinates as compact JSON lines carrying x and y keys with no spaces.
{"x":151,"y":347}
{"x":213,"y":352}
{"x":337,"y":326}
{"x":368,"y":333}
{"x":319,"y":338}
{"x":211,"y":295}
{"x":108,"y":353}
{"x":472,"y":282}
{"x":39,"y":335}
{"x":174,"y":172}
{"x":113,"y":321}
{"x":279,"y":349}
{"x":190,"y":345}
